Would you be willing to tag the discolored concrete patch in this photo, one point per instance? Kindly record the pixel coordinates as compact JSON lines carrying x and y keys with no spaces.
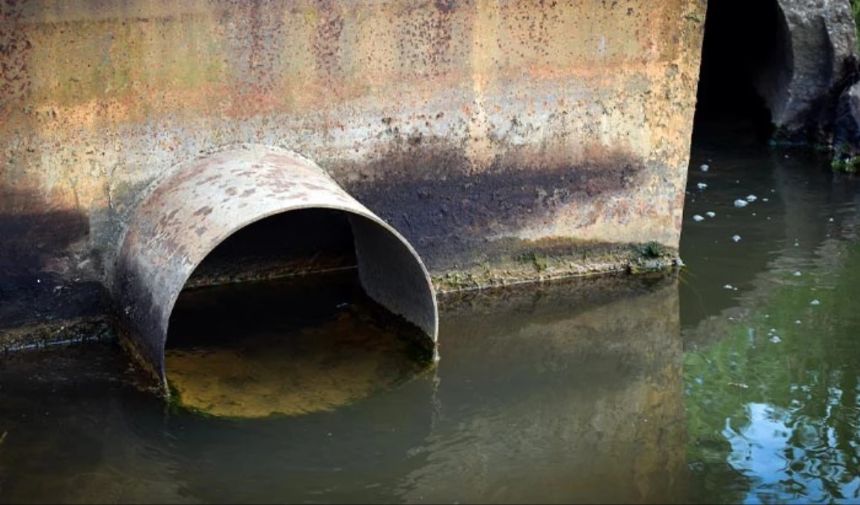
{"x":48,"y":294}
{"x":452,"y":213}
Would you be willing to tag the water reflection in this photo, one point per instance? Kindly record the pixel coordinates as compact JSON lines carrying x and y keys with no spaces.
{"x":559,"y":391}
{"x":781,"y":453}
{"x":73,"y":430}
{"x":611,"y":389}
{"x":771,"y":378}
{"x":570,"y":391}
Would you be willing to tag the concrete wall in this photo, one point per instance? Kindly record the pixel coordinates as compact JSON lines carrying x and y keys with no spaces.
{"x":481,"y":130}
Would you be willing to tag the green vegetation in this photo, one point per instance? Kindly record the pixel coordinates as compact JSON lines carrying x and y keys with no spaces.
{"x":539,"y":261}
{"x":653,"y":250}
{"x":788,"y":368}
{"x":855,"y":7}
{"x":845,"y":164}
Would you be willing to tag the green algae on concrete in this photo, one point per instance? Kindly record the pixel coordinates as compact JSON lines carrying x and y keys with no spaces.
{"x":545,"y":260}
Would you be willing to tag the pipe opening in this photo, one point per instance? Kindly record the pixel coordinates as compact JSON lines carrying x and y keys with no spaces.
{"x":249,"y":241}
{"x":746,"y":66}
{"x":301,"y":242}
{"x":276,"y":320}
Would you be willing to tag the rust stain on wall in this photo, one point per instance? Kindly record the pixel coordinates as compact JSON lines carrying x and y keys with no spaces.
{"x":15,"y":48}
{"x":463,"y":122}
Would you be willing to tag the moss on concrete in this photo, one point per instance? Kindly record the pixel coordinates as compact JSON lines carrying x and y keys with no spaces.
{"x":563,"y":259}
{"x":59,"y":332}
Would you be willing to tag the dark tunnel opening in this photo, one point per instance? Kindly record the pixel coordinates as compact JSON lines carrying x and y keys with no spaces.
{"x":301,"y":242}
{"x":275,"y":320}
{"x":746,"y":64}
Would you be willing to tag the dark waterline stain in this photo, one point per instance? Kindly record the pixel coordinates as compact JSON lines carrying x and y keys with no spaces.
{"x":450,"y":216}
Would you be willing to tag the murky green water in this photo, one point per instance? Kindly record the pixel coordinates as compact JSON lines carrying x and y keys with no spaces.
{"x":736,"y":381}
{"x":771,"y":387}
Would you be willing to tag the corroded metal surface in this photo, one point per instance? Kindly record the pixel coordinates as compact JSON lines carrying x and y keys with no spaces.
{"x":187,"y":214}
{"x":485,"y":132}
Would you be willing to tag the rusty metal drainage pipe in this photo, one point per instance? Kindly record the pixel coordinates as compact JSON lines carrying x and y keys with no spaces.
{"x":205,"y":201}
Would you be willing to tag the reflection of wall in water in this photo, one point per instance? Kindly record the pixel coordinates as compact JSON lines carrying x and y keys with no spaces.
{"x":70,"y":437}
{"x":564,"y":391}
{"x":571,"y":392}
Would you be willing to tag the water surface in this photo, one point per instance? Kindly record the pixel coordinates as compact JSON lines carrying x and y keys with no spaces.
{"x":734,"y":381}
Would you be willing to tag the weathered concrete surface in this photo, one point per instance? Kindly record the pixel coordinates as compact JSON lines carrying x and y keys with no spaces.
{"x":482,"y":131}
{"x":188,"y":214}
{"x":817,"y":62}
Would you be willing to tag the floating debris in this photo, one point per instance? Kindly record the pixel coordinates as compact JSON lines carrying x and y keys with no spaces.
{"x":815,"y":302}
{"x":711,"y":213}
{"x":830,"y":220}
{"x":701,"y":185}
{"x":728,"y":286}
{"x":705,"y":167}
{"x":739,"y":385}
{"x":697,"y":218}
{"x":751,"y":198}
{"x":797,"y":321}
{"x":741,"y":203}
{"x":765,"y":200}
{"x":797,"y":274}
{"x":775,"y":339}
{"x":736,"y":238}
